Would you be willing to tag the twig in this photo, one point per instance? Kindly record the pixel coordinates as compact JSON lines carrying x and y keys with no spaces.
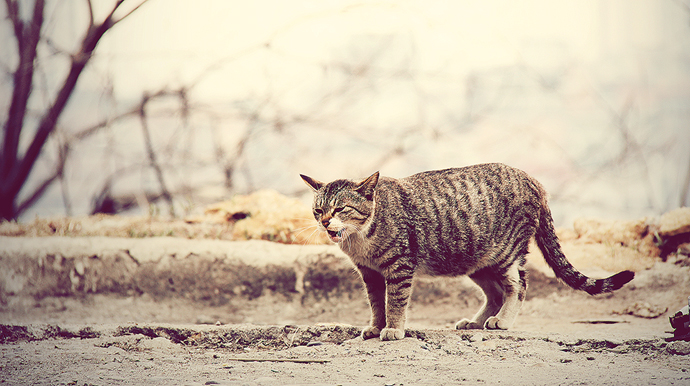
{"x":152,"y":156}
{"x":684,"y":189}
{"x":279,"y":360}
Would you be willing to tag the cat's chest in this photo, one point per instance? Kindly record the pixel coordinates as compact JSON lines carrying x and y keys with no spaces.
{"x":362,"y":252}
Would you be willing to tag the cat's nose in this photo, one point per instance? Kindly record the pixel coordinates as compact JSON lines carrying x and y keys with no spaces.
{"x":325,"y":222}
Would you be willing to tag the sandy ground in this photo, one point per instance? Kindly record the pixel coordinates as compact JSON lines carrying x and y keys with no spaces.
{"x":563,"y":337}
{"x":65,"y":319}
{"x":430,"y":357}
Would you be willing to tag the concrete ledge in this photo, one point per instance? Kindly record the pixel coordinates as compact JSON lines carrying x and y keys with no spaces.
{"x":206,"y":270}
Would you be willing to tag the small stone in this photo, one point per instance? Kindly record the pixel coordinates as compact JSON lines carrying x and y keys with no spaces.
{"x":487,"y":345}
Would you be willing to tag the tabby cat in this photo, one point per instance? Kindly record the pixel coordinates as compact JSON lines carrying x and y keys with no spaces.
{"x":476,"y":221}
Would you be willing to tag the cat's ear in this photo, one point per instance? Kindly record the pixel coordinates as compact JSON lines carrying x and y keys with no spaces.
{"x":366,"y":187}
{"x":312,"y":183}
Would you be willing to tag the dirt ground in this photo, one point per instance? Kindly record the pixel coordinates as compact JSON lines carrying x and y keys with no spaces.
{"x":561,"y":336}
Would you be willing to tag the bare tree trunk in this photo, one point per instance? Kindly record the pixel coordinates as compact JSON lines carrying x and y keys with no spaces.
{"x":15,"y":169}
{"x":27,"y":37}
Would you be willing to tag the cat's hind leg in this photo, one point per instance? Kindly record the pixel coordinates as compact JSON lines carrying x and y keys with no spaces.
{"x":514,"y":284}
{"x":493,"y":300}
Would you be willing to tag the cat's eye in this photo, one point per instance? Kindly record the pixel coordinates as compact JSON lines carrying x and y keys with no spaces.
{"x":338,"y":209}
{"x":318,"y":211}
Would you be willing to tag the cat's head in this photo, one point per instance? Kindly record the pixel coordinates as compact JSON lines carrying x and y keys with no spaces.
{"x":341,"y":207}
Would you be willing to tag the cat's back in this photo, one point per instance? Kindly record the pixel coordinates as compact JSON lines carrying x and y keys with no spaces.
{"x":475,"y":190}
{"x":482,"y":178}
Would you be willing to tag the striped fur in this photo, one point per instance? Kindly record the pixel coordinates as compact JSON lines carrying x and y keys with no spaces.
{"x":476,"y":221}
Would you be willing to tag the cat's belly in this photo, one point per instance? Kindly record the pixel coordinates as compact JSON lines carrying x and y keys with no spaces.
{"x":447,"y":266}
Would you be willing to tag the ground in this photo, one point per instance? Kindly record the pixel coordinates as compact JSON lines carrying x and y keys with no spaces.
{"x":82,"y":336}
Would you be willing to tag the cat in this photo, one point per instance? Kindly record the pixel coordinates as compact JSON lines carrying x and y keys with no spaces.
{"x":476,"y":220}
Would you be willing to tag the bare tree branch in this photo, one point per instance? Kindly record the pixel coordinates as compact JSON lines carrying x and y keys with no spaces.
{"x":40,"y":190}
{"x":27,"y":40}
{"x":128,"y":13}
{"x":685,"y":189}
{"x":66,"y":146}
{"x":152,"y":156}
{"x":91,"y":17}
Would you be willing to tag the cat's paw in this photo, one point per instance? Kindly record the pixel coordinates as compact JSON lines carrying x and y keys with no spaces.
{"x":371,"y":332}
{"x":392,"y":334}
{"x":466,"y":324}
{"x":494,"y":323}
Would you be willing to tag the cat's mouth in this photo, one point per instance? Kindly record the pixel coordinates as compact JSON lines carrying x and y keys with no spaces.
{"x":336,"y":236}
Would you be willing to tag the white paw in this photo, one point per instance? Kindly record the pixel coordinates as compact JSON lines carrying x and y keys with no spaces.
{"x":494,"y":323}
{"x":371,"y":332}
{"x":392,"y":334}
{"x":466,"y":324}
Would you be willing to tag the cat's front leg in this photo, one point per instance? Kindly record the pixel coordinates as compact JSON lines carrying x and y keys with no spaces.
{"x":376,"y":291}
{"x":398,"y":291}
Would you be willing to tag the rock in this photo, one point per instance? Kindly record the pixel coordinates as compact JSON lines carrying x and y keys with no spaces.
{"x":645,"y":310}
{"x":678,"y":348}
{"x":623,"y":232}
{"x":267,"y":215}
{"x":675,"y":222}
{"x":635,"y":234}
{"x":608,"y":257}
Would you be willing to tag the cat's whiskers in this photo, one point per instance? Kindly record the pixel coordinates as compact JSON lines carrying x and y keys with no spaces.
{"x":315,"y":230}
{"x":314,"y":233}
{"x":299,"y":231}
{"x":312,"y":236}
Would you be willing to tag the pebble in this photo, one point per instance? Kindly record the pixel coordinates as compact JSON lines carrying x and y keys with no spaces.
{"x":487,"y":345}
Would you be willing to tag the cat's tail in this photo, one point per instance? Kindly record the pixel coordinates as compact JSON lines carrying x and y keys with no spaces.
{"x":551,"y":249}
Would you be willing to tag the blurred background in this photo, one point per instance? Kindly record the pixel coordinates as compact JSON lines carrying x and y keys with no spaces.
{"x":184,"y":103}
